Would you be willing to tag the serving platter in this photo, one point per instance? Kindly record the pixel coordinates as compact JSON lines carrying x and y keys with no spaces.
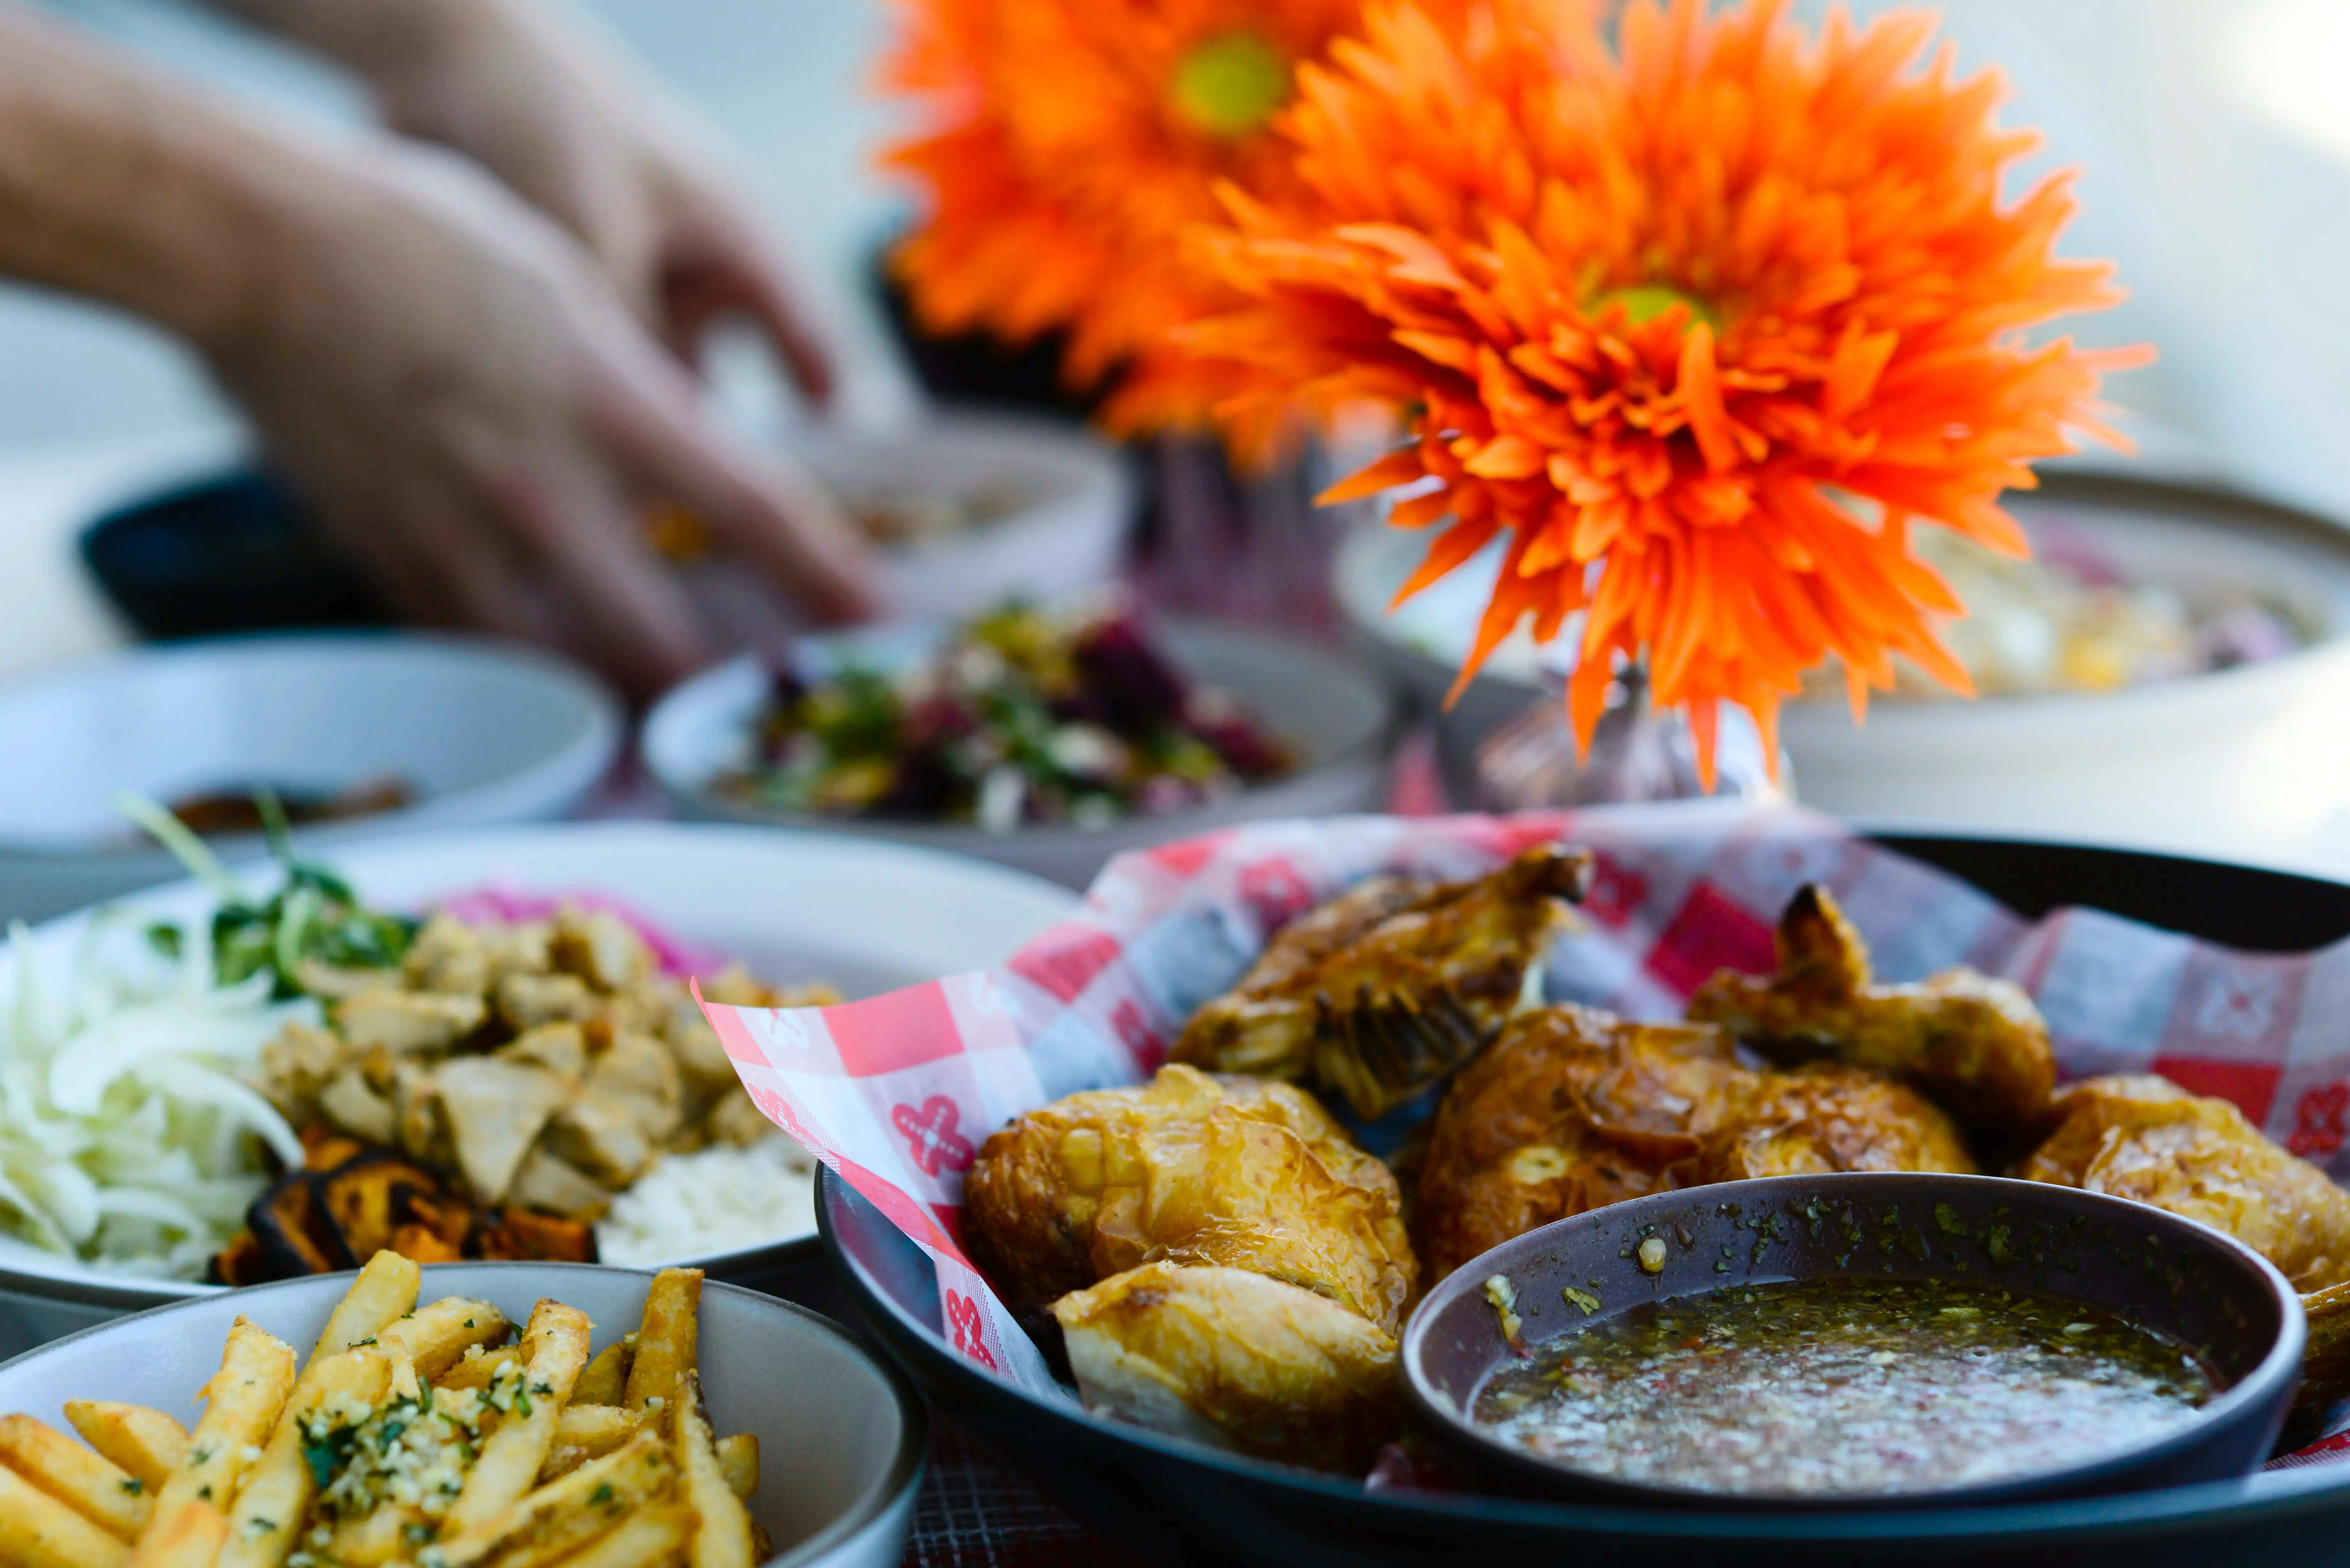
{"x":1174,"y":1501}
{"x":866,"y":917}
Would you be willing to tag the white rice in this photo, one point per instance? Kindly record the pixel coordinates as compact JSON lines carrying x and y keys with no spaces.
{"x":718,"y":1199}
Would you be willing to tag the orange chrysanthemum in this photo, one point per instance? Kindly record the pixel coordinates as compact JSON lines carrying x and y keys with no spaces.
{"x":1703,"y":325}
{"x":1071,"y":143}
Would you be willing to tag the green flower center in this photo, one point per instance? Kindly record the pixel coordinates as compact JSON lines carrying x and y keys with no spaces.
{"x":1231,"y":84}
{"x":1644,"y":302}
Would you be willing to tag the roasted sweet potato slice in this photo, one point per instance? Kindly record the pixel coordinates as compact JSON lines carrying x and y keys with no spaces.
{"x":422,"y":1244}
{"x":365,"y":1198}
{"x":519,"y":1234}
{"x":238,"y":1264}
{"x":295,"y":1235}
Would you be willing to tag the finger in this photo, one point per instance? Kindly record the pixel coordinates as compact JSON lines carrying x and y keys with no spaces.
{"x":619,"y":609}
{"x":732,"y":271}
{"x":765,"y":509}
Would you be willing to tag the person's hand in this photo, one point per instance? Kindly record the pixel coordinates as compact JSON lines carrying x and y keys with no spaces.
{"x":531,"y":98}
{"x":454,"y":387}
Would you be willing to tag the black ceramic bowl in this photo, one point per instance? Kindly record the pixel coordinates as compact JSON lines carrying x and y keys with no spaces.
{"x":2184,"y":1281}
{"x":1176,"y":1503}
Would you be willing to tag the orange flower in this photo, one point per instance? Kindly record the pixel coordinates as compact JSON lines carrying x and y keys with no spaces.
{"x":1703,"y":326}
{"x":1071,"y":143}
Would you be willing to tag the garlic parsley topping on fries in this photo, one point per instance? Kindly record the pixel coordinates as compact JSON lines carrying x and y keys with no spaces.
{"x":413,"y":1435}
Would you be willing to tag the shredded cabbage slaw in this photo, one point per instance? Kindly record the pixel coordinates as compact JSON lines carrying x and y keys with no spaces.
{"x":127,"y":1137}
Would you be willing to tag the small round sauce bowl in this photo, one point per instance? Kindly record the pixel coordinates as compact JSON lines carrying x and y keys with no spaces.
{"x":2182,"y":1280}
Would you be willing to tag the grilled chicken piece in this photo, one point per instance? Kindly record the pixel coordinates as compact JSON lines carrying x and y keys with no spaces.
{"x":2143,"y":1137}
{"x":1823,"y":1117}
{"x":1236,"y":1171}
{"x":495,"y":1110}
{"x":1234,"y":1359}
{"x":1974,"y":1045}
{"x":1381,"y":992}
{"x":408,"y":1023}
{"x":1573,"y":1110}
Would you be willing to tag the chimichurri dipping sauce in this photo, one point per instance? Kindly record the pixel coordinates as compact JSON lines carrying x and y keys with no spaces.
{"x":1837,"y":1387}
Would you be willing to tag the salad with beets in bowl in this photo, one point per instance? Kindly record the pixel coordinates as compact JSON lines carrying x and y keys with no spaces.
{"x":1024,"y":717}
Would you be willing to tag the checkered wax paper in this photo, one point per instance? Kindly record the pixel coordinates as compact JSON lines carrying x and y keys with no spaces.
{"x":896,"y":1093}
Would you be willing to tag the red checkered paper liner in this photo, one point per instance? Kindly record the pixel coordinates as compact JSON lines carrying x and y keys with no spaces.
{"x":896,"y":1092}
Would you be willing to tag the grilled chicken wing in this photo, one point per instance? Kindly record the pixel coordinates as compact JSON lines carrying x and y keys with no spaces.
{"x":1234,"y":1359}
{"x":1192,"y":1168}
{"x":2144,"y":1137}
{"x":1572,"y":1109}
{"x":1380,"y":992}
{"x":1973,"y":1043}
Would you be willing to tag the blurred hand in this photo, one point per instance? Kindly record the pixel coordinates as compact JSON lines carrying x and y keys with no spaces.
{"x":466,"y":402}
{"x":531,"y":98}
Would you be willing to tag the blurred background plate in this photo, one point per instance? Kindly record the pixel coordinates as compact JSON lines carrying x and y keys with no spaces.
{"x":480,"y":733}
{"x":2247,"y":762}
{"x":864,"y":916}
{"x":1338,"y":719}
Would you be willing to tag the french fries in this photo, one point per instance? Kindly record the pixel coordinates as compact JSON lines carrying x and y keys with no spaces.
{"x":556,"y":1348}
{"x":413,"y":1437}
{"x":147,"y":1444}
{"x":242,"y":1403}
{"x":38,"y":1531}
{"x":430,"y":1339}
{"x":99,"y":1491}
{"x":276,"y":1494}
{"x":738,"y":1455}
{"x":606,"y":1379}
{"x":188,"y":1537}
{"x":665,"y":1344}
{"x":721,"y":1532}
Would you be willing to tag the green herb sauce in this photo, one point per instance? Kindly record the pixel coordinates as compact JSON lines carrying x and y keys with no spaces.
{"x":1834,"y":1388}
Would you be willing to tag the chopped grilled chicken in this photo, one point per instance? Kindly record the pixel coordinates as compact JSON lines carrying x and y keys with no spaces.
{"x":1238,"y":1171}
{"x":495,"y":1110}
{"x":351,"y":1103}
{"x":600,"y":949}
{"x":1972,"y":1043}
{"x":450,"y":957}
{"x":1381,"y":992}
{"x":601,"y":1136}
{"x":1234,"y":1360}
{"x":526,"y":1001}
{"x":408,"y":1023}
{"x":547,"y":1182}
{"x":560,"y":1048}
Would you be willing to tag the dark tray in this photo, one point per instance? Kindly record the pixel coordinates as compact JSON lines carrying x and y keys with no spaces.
{"x":1176,"y":1503}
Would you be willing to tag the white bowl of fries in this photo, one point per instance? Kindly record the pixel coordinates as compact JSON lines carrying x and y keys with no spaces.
{"x":637,"y":1422}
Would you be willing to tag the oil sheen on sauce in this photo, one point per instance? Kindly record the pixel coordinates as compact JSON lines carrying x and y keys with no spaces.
{"x":1840,"y":1388}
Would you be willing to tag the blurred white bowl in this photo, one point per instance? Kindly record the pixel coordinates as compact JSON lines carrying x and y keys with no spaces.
{"x":1063,"y":498}
{"x":483,"y":732}
{"x":1337,"y":719}
{"x":841,"y":1434}
{"x":867,"y":918}
{"x":2249,"y":761}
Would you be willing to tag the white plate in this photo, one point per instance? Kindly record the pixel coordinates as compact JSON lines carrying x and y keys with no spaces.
{"x":486,"y":733}
{"x":1339,"y":719}
{"x":1077,"y":498}
{"x":840,"y":1436}
{"x":866,"y":916}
